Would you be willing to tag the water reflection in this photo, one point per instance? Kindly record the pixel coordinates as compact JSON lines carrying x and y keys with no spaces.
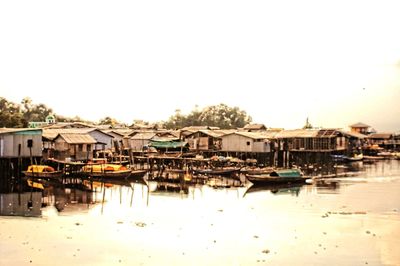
{"x":278,"y":189}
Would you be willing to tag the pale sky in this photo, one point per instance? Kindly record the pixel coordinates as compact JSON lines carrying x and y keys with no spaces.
{"x":336,"y":62}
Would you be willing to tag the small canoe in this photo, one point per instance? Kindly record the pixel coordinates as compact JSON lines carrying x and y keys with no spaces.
{"x":283,"y":176}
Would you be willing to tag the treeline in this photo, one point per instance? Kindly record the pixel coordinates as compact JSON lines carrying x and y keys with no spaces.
{"x":20,"y":114}
{"x":222,"y":116}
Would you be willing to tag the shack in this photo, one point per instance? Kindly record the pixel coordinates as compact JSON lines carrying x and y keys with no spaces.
{"x":104,"y":141}
{"x":20,"y":142}
{"x":205,"y":140}
{"x":78,"y":147}
{"x":245,"y":142}
{"x":360,"y":128}
{"x":384,"y":140}
{"x":19,"y":147}
{"x":254,"y":127}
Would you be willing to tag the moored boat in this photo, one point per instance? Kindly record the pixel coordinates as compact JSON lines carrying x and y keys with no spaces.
{"x":217,"y":171}
{"x":282,"y":176}
{"x":42,"y":171}
{"x":105,"y":170}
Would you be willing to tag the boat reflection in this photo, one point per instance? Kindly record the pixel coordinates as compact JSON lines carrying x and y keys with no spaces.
{"x":277,"y":189}
{"x":327,"y":186}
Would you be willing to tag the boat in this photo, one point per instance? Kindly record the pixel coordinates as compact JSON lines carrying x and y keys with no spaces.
{"x":344,"y":158}
{"x":106,"y":170}
{"x":42,"y":171}
{"x":33,"y":184}
{"x":257,"y":171}
{"x":282,"y":176}
{"x":217,"y":171}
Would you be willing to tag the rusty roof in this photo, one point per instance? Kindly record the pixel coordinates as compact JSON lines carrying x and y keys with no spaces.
{"x":254,"y":127}
{"x":14,"y":130}
{"x":143,"y":136}
{"x":359,"y":124}
{"x":72,"y":138}
{"x":297,"y":133}
{"x":251,"y":135}
{"x":51,"y":133}
{"x":381,"y":136}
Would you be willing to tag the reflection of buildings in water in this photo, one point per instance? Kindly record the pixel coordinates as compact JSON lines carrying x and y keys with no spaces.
{"x":21,"y":204}
{"x":60,"y":197}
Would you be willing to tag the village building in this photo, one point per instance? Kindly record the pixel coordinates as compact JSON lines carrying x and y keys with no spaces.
{"x":360,"y":128}
{"x":254,"y":127}
{"x":19,"y":147}
{"x":384,"y":140}
{"x":20,"y":142}
{"x":77,"y":147}
{"x":141,"y":140}
{"x":192,"y":129}
{"x":205,"y":140}
{"x":245,"y":142}
{"x":50,"y":120}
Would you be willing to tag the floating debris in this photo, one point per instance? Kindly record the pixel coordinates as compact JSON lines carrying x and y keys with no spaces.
{"x":140,"y":224}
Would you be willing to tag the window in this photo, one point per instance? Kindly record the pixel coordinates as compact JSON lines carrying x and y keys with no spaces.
{"x":80,"y":147}
{"x":248,"y":143}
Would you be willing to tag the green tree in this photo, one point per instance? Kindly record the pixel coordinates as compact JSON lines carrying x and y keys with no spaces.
{"x":10,"y":114}
{"x":221,"y":116}
{"x":108,"y":121}
{"x":34,"y":112}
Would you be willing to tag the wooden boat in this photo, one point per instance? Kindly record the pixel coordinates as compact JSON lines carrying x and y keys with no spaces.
{"x":137,"y":175}
{"x":105,"y":170}
{"x":283,"y":176}
{"x":217,"y":171}
{"x":42,"y":171}
{"x":344,"y":158}
{"x":257,"y":171}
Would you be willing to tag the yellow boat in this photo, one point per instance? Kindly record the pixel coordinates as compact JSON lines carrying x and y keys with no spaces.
{"x":34,"y":184}
{"x":42,"y":171}
{"x":106,"y":170}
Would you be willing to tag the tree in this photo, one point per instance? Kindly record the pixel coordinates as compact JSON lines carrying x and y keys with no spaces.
{"x":10,"y":114}
{"x":221,"y":116}
{"x":34,"y":112}
{"x":108,"y":121}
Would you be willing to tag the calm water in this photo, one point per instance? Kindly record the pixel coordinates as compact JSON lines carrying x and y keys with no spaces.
{"x":338,"y":221}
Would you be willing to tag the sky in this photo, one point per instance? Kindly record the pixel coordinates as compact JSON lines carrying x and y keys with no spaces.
{"x":335,"y":62}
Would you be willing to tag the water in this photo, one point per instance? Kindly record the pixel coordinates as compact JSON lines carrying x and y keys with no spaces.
{"x":338,"y":221}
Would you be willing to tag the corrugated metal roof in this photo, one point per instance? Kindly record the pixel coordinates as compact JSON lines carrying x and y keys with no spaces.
{"x":251,"y":135}
{"x":354,"y":134}
{"x":381,"y":136}
{"x":254,"y":126}
{"x":72,"y":138}
{"x":297,"y":133}
{"x":143,"y":136}
{"x":359,"y":124}
{"x":51,"y":133}
{"x":70,"y":125}
{"x":13,"y":130}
